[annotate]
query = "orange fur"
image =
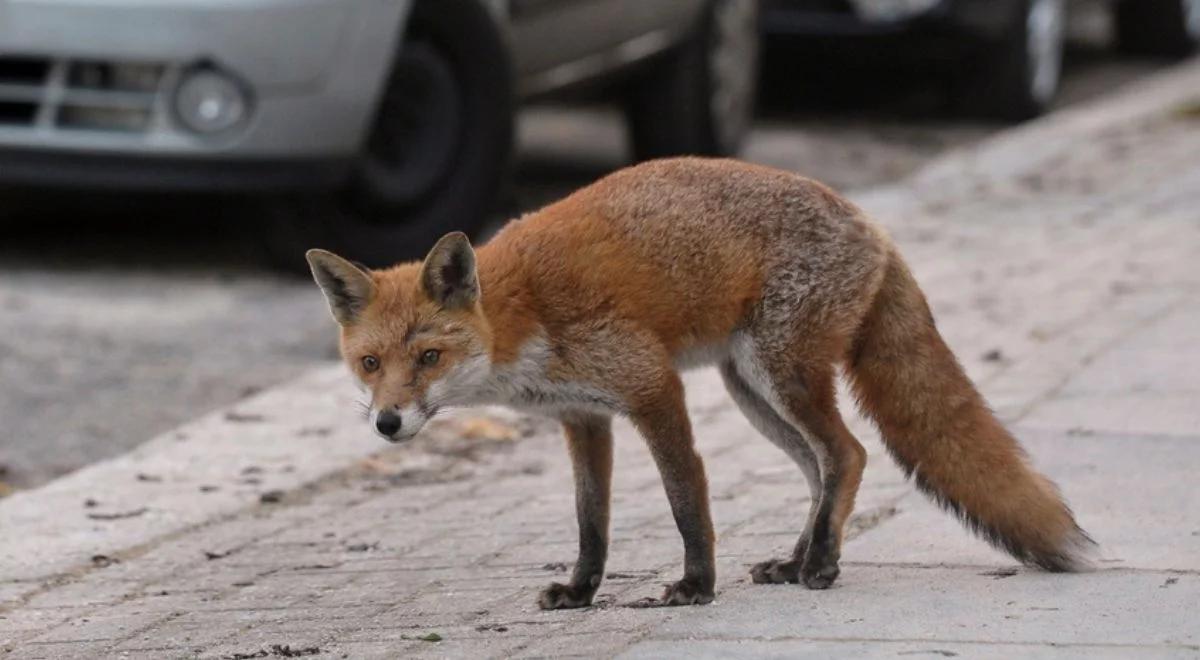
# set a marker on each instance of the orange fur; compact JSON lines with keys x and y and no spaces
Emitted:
{"x":939,"y":429}
{"x":589,"y":307}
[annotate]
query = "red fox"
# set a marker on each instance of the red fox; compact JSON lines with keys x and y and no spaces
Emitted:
{"x":589,"y":308}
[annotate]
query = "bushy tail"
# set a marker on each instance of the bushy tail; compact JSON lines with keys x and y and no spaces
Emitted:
{"x":939,"y":429}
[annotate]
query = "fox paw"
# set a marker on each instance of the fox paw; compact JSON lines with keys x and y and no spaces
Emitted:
{"x":686,"y":592}
{"x":564,"y":596}
{"x":776,"y":571}
{"x":819,"y":576}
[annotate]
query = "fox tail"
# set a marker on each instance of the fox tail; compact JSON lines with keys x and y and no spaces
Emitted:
{"x":941,"y":432}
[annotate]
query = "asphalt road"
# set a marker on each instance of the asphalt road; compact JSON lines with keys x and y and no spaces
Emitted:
{"x":121,"y":317}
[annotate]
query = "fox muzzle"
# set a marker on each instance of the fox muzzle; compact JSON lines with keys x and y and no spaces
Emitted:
{"x":398,"y":425}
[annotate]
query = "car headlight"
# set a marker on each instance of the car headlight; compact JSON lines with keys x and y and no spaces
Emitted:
{"x":892,"y":10}
{"x":208,"y":101}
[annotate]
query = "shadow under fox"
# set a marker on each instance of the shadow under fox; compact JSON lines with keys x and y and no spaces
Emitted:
{"x":589,"y":308}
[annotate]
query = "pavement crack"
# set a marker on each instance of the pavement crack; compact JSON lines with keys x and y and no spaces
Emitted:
{"x":1000,"y":573}
{"x":120,"y":515}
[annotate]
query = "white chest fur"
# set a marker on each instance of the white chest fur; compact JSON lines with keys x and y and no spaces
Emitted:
{"x":526,"y":383}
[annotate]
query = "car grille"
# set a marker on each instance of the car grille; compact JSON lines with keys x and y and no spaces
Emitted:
{"x":53,"y":94}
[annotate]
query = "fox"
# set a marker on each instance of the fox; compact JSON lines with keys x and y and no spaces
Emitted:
{"x":590,"y":308}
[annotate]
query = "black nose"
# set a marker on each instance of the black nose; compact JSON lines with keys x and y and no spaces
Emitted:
{"x":388,"y":423}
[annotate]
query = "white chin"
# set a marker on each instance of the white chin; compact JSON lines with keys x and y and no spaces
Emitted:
{"x":412,"y":420}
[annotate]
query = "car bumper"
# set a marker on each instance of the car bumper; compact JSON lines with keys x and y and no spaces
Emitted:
{"x":84,"y":170}
{"x":312,"y":72}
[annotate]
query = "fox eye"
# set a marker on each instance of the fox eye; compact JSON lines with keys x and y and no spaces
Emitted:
{"x":370,"y":363}
{"x":430,"y":357}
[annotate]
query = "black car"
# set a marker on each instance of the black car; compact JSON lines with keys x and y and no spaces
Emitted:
{"x":1005,"y":56}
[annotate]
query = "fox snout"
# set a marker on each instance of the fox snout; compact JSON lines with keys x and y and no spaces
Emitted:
{"x":397,"y":424}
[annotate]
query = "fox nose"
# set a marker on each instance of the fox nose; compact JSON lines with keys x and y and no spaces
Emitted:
{"x":387,"y":423}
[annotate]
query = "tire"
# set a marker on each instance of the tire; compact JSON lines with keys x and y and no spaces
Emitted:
{"x":436,"y":156}
{"x":698,"y":98}
{"x":1159,"y":28}
{"x":1019,"y":77}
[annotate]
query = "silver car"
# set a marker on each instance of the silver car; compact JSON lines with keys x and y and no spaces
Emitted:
{"x":373,"y":125}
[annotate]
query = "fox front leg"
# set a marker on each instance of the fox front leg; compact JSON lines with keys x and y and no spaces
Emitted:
{"x":589,"y":440}
{"x":663,"y":422}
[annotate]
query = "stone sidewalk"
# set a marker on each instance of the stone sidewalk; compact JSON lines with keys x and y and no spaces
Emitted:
{"x":1063,"y":263}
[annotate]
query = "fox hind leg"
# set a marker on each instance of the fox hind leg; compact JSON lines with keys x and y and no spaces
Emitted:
{"x":801,"y":393}
{"x":841,"y":474}
{"x":785,"y":436}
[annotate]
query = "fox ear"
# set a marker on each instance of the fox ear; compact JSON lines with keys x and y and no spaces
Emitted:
{"x":347,"y":287}
{"x":448,"y":274}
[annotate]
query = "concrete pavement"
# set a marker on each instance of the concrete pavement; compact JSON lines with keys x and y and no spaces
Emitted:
{"x":1061,"y":261}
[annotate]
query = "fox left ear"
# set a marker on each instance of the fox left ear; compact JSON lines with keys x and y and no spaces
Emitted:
{"x":448,"y":275}
{"x":348,"y":288}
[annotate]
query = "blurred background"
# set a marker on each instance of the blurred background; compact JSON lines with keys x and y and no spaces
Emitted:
{"x":163,"y":164}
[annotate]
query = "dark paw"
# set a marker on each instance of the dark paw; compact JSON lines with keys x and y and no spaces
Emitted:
{"x":820,"y":576}
{"x":564,"y":596}
{"x":686,"y":592}
{"x":776,"y":571}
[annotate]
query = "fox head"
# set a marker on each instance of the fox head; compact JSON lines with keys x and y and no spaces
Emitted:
{"x":414,"y":335}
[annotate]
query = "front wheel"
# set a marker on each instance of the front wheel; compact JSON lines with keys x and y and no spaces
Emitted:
{"x":436,"y":154}
{"x":699,"y":98}
{"x":1161,"y":28}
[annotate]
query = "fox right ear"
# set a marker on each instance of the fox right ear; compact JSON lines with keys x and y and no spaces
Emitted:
{"x":347,"y":287}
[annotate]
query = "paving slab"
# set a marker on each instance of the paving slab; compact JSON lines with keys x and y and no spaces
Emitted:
{"x":821,"y":649}
{"x":937,"y":603}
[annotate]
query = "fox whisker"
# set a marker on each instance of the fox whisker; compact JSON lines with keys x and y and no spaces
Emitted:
{"x":364,"y":408}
